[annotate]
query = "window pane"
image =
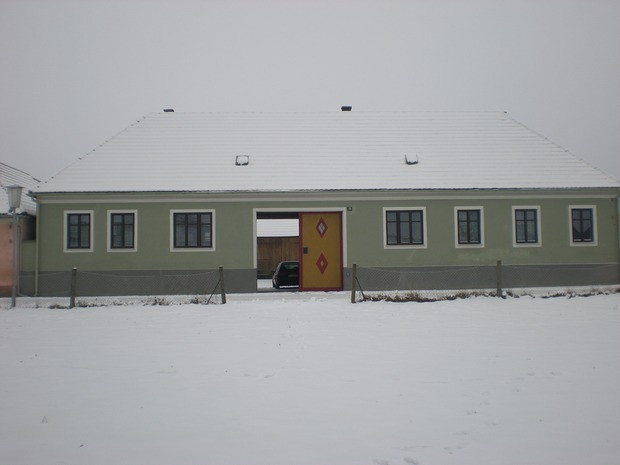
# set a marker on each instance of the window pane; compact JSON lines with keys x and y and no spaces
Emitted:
{"x":179,"y":235}
{"x":85,"y":236}
{"x":192,"y":219}
{"x":519,"y":215}
{"x":391,"y":216}
{"x":73,"y":236}
{"x":192,"y":233}
{"x":391,"y":233}
{"x":416,"y":229}
{"x":531,"y":232}
{"x":404,"y":233}
{"x":520,"y":232}
{"x":403,"y":216}
{"x":129,"y":218}
{"x":474,"y":232}
{"x":117,"y":230}
{"x":128,"y":237}
{"x":206,"y":238}
{"x":462,"y":232}
{"x":462,"y":215}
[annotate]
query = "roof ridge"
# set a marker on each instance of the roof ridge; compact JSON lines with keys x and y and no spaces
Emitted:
{"x":21,"y":171}
{"x":562,"y":148}
{"x":321,"y":112}
{"x":90,"y":152}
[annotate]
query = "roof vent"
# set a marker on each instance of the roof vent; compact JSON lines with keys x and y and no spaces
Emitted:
{"x":168,"y":110}
{"x":411,"y":159}
{"x":346,"y":108}
{"x":242,"y":160}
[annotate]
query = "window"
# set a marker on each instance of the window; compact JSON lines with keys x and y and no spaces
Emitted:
{"x":583,"y":225}
{"x":78,"y":231}
{"x":404,"y":227}
{"x":469,"y":226}
{"x":192,"y":230}
{"x":122,"y":228}
{"x":526,"y":226}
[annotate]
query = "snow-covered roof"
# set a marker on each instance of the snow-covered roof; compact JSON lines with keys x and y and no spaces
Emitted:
{"x":340,"y":150}
{"x":10,"y":176}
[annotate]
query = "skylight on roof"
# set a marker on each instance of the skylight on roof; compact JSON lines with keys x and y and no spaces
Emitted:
{"x":411,"y":159}
{"x":242,"y":160}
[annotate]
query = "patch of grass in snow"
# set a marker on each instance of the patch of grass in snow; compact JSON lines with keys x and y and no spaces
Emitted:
{"x":569,"y":293}
{"x":130,"y":301}
{"x":425,"y":296}
{"x":56,"y":306}
{"x":417,"y":297}
{"x":156,"y":301}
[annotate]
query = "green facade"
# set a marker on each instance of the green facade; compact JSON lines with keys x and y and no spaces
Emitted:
{"x":363,"y":220}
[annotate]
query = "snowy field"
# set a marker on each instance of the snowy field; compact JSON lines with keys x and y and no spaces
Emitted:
{"x":312,"y":379}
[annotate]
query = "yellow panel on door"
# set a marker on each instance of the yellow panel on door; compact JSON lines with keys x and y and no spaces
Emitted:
{"x":321,"y":251}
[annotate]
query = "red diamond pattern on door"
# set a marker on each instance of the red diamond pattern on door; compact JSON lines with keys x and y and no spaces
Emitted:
{"x":321,"y":227}
{"x":322,"y":263}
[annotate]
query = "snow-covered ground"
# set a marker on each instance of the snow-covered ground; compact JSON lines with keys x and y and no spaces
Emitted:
{"x":312,"y":379}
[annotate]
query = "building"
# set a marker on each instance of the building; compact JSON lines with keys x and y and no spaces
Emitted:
{"x":176,"y":193}
{"x":10,"y":176}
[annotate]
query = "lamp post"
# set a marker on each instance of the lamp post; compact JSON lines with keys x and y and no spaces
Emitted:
{"x":15,"y":197}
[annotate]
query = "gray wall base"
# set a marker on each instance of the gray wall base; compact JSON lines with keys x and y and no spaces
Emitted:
{"x":483,"y":277}
{"x":204,"y":282}
{"x":138,"y":282}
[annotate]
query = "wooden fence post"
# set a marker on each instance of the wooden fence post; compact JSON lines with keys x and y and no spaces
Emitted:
{"x":353,"y":281}
{"x":498,"y":272}
{"x":73,"y":287}
{"x":223,"y":291}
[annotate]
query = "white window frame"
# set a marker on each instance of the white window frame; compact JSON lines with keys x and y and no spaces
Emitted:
{"x":65,"y":231}
{"x":594,"y":242}
{"x":456,"y":227}
{"x":538,"y":243}
{"x":109,"y":231}
{"x":424,"y":244}
{"x":192,"y":249}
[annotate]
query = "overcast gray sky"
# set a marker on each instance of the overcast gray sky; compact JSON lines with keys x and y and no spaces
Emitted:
{"x":74,"y":73}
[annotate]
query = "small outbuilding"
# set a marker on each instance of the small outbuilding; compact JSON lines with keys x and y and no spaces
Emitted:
{"x":25,"y":223}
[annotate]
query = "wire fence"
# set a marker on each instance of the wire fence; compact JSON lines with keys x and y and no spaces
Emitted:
{"x":441,"y":283}
{"x":87,"y":288}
